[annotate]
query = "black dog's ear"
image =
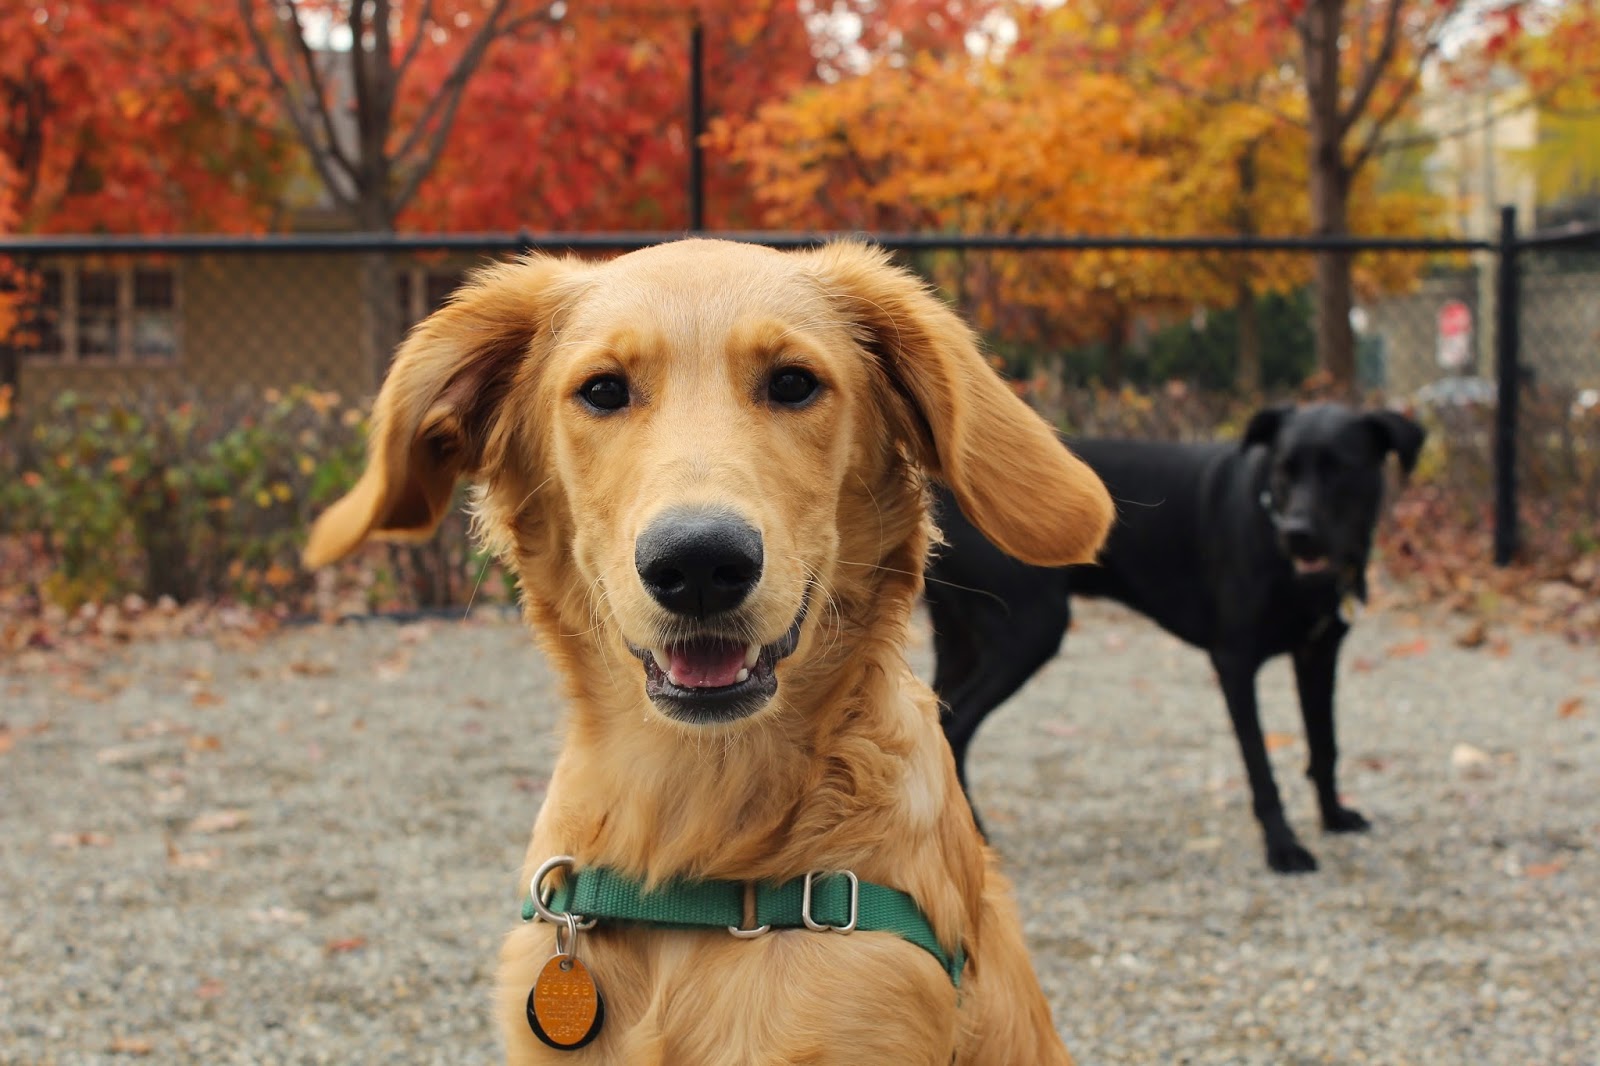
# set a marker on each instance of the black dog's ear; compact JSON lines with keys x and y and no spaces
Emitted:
{"x":1399,"y":434}
{"x":1264,"y":426}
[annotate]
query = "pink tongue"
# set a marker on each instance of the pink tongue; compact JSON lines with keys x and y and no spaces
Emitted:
{"x":705,"y":664}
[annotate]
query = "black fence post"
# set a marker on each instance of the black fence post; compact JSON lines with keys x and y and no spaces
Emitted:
{"x":697,"y":122}
{"x":1509,"y":371}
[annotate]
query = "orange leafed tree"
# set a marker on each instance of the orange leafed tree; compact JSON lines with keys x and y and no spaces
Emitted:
{"x":585,"y":125}
{"x":1032,"y":143}
{"x":127,"y":117}
{"x":1356,"y":66}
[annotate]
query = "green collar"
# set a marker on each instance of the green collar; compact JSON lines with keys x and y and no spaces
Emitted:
{"x":599,"y":893}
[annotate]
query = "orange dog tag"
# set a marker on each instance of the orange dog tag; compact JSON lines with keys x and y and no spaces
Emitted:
{"x":565,"y":1009}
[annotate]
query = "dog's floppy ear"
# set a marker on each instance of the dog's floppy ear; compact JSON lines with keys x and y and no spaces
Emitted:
{"x":1264,"y":426}
{"x":1399,"y":434}
{"x":1028,"y":494}
{"x":437,"y":412}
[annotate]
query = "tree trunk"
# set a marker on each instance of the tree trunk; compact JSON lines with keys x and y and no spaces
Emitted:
{"x":380,"y":300}
{"x":380,"y":295}
{"x":1116,"y":350}
{"x":1247,"y":357}
{"x":1247,"y":368}
{"x":1330,"y":191}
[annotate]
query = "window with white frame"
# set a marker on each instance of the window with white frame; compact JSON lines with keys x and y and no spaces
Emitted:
{"x":80,"y":314}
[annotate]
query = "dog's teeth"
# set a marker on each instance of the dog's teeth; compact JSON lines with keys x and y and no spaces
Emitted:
{"x":742,"y":675}
{"x":661,"y":657}
{"x":673,"y":678}
{"x":751,"y":654}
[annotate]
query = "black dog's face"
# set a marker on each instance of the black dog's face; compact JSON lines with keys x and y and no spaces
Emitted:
{"x":1325,"y":480}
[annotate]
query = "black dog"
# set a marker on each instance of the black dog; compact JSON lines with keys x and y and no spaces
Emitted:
{"x":1245,"y":550}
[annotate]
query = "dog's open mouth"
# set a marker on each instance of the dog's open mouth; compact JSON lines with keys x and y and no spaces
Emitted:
{"x":1305,"y":567}
{"x":715,"y":678}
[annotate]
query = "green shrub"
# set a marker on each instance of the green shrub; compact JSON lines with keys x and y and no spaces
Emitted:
{"x":186,"y":499}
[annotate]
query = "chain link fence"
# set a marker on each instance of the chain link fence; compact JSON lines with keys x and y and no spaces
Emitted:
{"x":259,"y":356}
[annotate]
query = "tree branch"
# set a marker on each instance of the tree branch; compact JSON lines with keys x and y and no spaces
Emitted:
{"x":415,"y":44}
{"x":321,"y":106}
{"x":1403,"y":96}
{"x":448,"y":96}
{"x":320,"y":159}
{"x":364,"y":112}
{"x":1373,"y":69}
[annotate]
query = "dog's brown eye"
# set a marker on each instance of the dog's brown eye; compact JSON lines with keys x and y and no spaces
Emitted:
{"x":791,"y":386}
{"x":604,"y":393}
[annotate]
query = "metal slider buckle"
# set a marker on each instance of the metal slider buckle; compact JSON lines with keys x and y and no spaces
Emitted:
{"x":749,"y":934}
{"x":855,"y":904}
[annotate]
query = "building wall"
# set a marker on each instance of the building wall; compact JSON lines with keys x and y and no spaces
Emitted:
{"x":245,"y":322}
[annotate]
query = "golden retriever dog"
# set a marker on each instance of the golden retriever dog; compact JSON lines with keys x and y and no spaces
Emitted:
{"x":707,"y":463}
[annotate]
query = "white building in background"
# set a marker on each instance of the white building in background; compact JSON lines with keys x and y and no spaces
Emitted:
{"x":1483,"y":137}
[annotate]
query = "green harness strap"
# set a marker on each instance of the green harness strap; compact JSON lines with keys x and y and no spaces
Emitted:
{"x":602,"y":893}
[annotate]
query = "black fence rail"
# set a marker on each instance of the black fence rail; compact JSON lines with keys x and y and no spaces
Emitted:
{"x":1495,"y":343}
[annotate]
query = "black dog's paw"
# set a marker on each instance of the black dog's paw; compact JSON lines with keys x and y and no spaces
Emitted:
{"x":1289,"y":857}
{"x":1345,"y":820}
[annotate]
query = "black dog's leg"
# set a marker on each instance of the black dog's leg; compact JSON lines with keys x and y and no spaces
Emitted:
{"x":1237,"y":674}
{"x":1008,"y":652}
{"x":1314,"y":675}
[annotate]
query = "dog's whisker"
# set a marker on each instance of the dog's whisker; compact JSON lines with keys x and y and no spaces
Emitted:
{"x":925,"y":577}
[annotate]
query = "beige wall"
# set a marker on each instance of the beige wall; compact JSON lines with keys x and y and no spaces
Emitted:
{"x":245,"y":322}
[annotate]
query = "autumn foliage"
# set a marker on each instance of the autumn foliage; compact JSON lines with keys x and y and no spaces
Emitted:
{"x":133,"y":118}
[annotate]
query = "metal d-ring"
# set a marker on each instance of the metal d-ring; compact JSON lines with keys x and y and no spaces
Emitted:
{"x":541,"y":900}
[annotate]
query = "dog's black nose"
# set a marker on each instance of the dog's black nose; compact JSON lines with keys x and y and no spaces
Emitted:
{"x":1300,"y":538}
{"x":698,"y":563}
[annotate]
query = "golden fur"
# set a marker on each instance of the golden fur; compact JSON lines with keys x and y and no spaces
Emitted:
{"x":846,"y":768}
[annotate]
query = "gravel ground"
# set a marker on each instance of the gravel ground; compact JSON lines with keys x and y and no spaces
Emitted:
{"x":304,"y":850}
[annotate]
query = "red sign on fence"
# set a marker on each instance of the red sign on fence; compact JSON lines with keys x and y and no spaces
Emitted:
{"x":1455,"y":335}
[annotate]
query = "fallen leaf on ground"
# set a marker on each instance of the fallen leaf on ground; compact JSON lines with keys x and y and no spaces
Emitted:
{"x":1362,"y":665}
{"x":131,"y":1045}
{"x":1407,"y":648}
{"x":1060,"y":729}
{"x":280,"y":916}
{"x":1279,"y":741}
{"x":204,"y":742}
{"x":223,"y":821}
{"x":1545,"y":869}
{"x":1474,"y":636}
{"x":120,"y":756}
{"x":344,"y":944}
{"x":192,"y":860}
{"x":8,"y":739}
{"x":85,"y":838}
{"x":1570,"y":707}
{"x":206,"y":698}
{"x":394,"y":667}
{"x":210,"y":989}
